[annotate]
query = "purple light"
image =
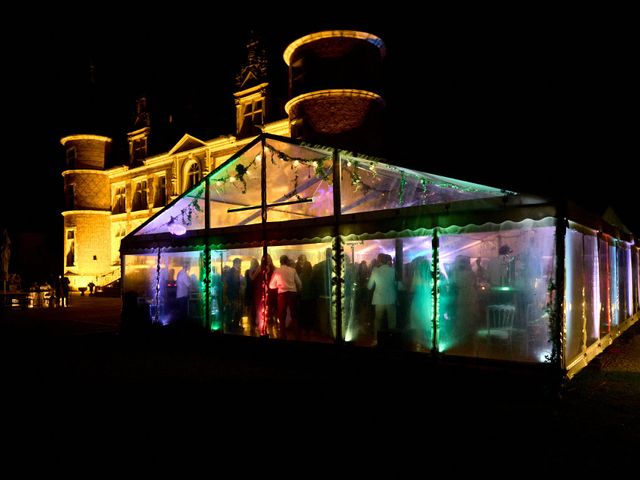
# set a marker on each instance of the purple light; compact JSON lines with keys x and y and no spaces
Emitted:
{"x":177,"y":229}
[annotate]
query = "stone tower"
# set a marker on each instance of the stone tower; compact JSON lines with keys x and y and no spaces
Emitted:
{"x":334,"y":77}
{"x":87,"y":224}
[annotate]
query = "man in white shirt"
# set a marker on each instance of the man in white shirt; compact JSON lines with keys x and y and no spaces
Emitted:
{"x":288,"y":283}
{"x":383,"y":279}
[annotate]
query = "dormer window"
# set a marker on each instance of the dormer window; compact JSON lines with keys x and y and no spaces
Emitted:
{"x":140,"y":149}
{"x":251,"y":111}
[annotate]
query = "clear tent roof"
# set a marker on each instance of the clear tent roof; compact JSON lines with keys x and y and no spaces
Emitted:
{"x":299,"y":184}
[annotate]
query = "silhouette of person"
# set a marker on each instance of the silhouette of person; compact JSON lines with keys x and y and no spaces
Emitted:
{"x":265,"y":311}
{"x":64,"y":285}
{"x":306,"y":296}
{"x":288,"y":283}
{"x":383,"y":284}
{"x":183,"y":286}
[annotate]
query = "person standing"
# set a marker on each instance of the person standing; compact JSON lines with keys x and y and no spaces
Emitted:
{"x":65,"y":282}
{"x":265,"y":303}
{"x":183,"y":285}
{"x":383,"y":284}
{"x":288,"y":283}
{"x":306,"y":296}
{"x":249,"y":274}
{"x":233,"y":294}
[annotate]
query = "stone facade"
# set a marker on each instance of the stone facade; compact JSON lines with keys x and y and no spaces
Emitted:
{"x":90,"y":188}
{"x":95,"y":221}
{"x":87,"y":252}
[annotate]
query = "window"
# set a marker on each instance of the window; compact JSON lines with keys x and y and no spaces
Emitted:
{"x":72,"y":156}
{"x":70,"y":239}
{"x":140,"y":149}
{"x":119,"y":200}
{"x":161,"y":192}
{"x":70,"y":196}
{"x":140,"y":196}
{"x":252,"y":114}
{"x":193,"y":176}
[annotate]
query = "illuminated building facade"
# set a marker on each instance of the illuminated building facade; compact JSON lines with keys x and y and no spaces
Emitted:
{"x":334,"y":80}
{"x":102,"y":205}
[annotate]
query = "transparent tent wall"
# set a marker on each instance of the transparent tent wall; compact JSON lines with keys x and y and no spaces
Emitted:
{"x":604,"y":267}
{"x":582,"y":296}
{"x":138,"y":286}
{"x":235,"y":185}
{"x":181,"y":296}
{"x":300,"y":176}
{"x":626,"y":280}
{"x":614,"y":287}
{"x":389,"y":291}
{"x":599,"y":290}
{"x":494,"y":290}
{"x":635,"y":279}
{"x":237,"y":299}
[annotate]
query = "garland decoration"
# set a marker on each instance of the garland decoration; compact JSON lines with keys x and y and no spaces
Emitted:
{"x":315,"y":165}
{"x":363,"y":174}
{"x":403,"y":185}
{"x":185,"y":215}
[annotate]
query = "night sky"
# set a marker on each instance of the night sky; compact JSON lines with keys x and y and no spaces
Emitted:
{"x":521,"y":100}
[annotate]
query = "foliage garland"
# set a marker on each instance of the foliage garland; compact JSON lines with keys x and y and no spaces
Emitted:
{"x":354,"y":168}
{"x":186,"y":214}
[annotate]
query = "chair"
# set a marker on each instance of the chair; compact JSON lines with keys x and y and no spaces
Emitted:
{"x":499,"y":327}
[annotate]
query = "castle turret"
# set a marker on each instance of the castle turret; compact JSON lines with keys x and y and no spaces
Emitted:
{"x":87,"y":225}
{"x":334,"y":77}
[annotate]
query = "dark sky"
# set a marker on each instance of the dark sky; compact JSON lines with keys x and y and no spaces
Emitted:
{"x":524,"y":100}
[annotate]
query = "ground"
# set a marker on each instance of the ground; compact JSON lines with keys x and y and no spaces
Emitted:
{"x":77,"y":356}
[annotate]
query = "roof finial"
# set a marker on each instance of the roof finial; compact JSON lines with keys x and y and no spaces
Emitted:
{"x":255,"y":69}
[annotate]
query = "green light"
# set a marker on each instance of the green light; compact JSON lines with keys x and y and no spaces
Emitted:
{"x":504,"y":289}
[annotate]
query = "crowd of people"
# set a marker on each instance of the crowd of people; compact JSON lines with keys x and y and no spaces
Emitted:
{"x":51,"y":293}
{"x":293,"y":299}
